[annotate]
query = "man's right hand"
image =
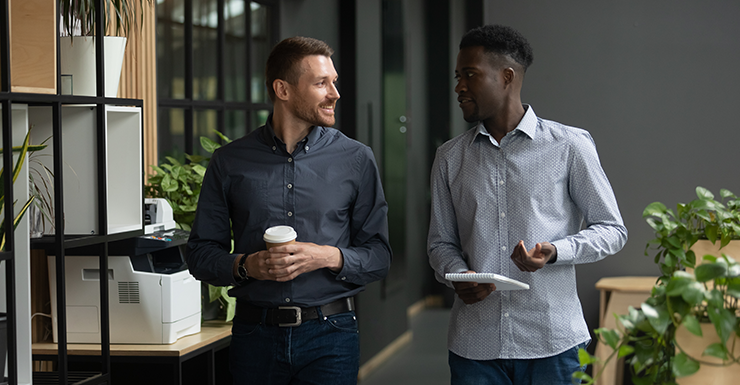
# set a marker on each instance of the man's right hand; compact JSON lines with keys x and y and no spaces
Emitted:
{"x":472,"y":292}
{"x":257,"y":267}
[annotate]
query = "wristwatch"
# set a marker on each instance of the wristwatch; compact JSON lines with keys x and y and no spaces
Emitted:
{"x":241,"y":269}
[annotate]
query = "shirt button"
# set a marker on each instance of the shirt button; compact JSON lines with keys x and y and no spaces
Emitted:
{"x":287,"y":300}
{"x":503,"y":248}
{"x":290,"y":160}
{"x":506,"y":314}
{"x":274,"y":148}
{"x":306,"y":148}
{"x":503,"y":215}
{"x":290,"y":213}
{"x":290,"y":185}
{"x":344,"y":278}
{"x":501,"y":182}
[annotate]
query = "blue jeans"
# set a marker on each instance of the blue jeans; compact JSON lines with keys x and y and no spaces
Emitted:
{"x":542,"y":371}
{"x":318,"y":352}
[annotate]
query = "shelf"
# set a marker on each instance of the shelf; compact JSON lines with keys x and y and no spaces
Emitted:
{"x":47,"y":242}
{"x":123,"y":163}
{"x":33,"y":46}
{"x":77,"y":378}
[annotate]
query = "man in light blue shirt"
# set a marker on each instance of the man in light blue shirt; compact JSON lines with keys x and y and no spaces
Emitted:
{"x":510,"y":197}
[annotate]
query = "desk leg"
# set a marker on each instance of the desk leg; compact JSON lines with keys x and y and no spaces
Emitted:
{"x":177,"y":373}
{"x":211,"y":367}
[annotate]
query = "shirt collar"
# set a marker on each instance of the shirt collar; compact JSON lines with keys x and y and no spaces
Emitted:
{"x":528,"y":124}
{"x":271,"y":139}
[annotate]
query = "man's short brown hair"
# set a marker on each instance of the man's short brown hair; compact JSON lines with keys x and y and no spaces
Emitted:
{"x":284,"y":60}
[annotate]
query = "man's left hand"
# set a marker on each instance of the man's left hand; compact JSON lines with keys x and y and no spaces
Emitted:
{"x":534,"y":259}
{"x":289,"y":261}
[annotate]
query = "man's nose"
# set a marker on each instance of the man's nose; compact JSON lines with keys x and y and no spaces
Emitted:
{"x":334,"y":92}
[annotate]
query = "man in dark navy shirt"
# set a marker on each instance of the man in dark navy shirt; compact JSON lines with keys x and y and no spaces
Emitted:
{"x":295,"y":320}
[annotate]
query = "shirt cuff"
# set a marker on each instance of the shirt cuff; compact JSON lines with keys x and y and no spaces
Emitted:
{"x":565,"y":252}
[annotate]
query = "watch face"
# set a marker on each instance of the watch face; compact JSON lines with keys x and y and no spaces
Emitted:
{"x":242,"y":272}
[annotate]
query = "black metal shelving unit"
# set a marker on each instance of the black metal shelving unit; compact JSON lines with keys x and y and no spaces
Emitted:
{"x":58,"y":243}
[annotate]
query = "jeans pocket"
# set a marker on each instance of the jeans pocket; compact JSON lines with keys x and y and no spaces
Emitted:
{"x":346,"y":322}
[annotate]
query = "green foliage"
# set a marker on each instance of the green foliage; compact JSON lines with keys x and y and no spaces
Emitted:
{"x":180,"y":185}
{"x":22,"y":151}
{"x":708,"y":292}
{"x":81,"y":13}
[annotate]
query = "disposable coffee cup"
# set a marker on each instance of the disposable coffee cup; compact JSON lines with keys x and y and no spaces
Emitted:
{"x":278,"y":236}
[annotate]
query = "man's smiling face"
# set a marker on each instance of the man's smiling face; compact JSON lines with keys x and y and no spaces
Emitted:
{"x":315,"y":96}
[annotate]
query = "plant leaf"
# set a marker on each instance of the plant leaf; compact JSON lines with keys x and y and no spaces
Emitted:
{"x":625,"y":350}
{"x":692,"y":325}
{"x":708,"y":271}
{"x":208,"y":144}
{"x":716,"y":350}
{"x":584,"y":358}
{"x":657,"y":316}
{"x":723,"y":321}
{"x":703,"y":193}
{"x":684,"y":366}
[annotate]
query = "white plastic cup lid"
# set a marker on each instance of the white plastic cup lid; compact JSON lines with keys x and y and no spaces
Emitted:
{"x":279,"y":234}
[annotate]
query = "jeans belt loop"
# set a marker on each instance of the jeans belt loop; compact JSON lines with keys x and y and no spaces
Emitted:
{"x":298,"y":319}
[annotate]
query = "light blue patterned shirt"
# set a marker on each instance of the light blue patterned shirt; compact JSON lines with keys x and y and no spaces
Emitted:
{"x":540,"y":184}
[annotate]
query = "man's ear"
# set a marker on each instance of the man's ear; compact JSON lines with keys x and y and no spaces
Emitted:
{"x":509,"y":75}
{"x":281,"y":88}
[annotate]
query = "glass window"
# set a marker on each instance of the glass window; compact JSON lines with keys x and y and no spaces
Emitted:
{"x":235,"y":31}
{"x":171,"y":134}
{"x":170,"y":49}
{"x":205,"y":46}
{"x":235,"y":63}
{"x":204,"y":124}
{"x":259,"y":118}
{"x":235,"y":125}
{"x":261,"y":46}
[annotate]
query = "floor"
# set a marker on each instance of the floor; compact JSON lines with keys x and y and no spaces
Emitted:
{"x":424,"y":359}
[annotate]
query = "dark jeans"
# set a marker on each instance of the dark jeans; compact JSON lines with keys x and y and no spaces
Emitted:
{"x":542,"y":371}
{"x":319,"y":352}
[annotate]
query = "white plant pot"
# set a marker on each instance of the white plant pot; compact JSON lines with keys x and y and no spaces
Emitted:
{"x":77,"y":57}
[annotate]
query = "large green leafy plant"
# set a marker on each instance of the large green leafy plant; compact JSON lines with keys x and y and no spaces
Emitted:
{"x":686,"y":294}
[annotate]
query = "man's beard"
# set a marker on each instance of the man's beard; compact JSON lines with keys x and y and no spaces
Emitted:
{"x":311,"y":115}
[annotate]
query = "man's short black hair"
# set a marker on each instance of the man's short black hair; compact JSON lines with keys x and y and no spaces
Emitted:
{"x":502,"y":40}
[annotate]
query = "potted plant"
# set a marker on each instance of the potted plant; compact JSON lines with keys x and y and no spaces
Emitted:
{"x":77,"y":48}
{"x":696,"y":295}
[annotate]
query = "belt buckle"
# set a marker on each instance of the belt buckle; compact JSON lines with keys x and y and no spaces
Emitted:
{"x":297,"y":311}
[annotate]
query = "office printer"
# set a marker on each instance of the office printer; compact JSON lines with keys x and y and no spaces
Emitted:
{"x":153,"y":298}
{"x":157,"y":215}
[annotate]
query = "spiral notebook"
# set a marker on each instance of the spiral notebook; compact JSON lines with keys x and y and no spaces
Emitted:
{"x":501,"y":282}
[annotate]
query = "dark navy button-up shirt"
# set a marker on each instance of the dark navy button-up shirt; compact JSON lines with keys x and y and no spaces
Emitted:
{"x":328,"y":190}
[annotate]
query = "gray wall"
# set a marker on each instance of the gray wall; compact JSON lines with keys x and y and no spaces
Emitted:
{"x":656,"y":83}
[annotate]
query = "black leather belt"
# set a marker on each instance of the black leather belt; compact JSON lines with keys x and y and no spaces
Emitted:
{"x":286,"y":316}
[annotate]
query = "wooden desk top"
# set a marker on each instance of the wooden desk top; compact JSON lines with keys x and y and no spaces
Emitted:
{"x":627,"y":284}
{"x":210,"y":332}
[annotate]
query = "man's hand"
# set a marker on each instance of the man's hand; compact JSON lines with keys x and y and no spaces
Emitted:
{"x":286,"y":262}
{"x":534,"y":259}
{"x":472,"y":292}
